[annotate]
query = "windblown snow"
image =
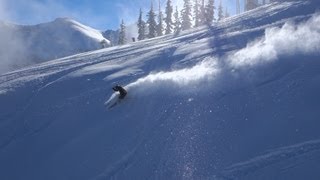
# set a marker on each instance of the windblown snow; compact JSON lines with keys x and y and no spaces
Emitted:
{"x":281,"y":41}
{"x":235,"y":100}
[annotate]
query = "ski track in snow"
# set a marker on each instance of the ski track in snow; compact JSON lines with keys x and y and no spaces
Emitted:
{"x":242,"y":169}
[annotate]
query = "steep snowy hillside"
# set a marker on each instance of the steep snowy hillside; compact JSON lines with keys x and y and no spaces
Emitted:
{"x":236,"y":100}
{"x":25,"y":45}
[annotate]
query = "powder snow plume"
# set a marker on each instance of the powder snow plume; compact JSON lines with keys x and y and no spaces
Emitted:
{"x":278,"y":41}
{"x":197,"y":74}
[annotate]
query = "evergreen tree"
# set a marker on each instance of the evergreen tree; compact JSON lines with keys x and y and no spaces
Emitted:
{"x":141,"y":27}
{"x":168,"y":19}
{"x":152,"y":23}
{"x":220,"y":12}
{"x":196,"y":14}
{"x":186,"y":15}
{"x":160,"y":22}
{"x":210,"y":11}
{"x":122,"y":33}
{"x":177,"y":22}
{"x":202,"y":13}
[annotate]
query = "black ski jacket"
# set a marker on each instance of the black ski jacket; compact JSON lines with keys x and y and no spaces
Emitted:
{"x":121,"y":90}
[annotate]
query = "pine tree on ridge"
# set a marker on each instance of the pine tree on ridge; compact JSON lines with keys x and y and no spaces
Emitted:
{"x":122,"y":33}
{"x":160,"y":22}
{"x":152,"y":23}
{"x":177,"y":22}
{"x":186,"y":14}
{"x":141,"y":27}
{"x":168,"y":19}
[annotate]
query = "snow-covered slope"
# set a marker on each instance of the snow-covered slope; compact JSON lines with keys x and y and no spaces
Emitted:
{"x":237,"y":100}
{"x":25,"y":45}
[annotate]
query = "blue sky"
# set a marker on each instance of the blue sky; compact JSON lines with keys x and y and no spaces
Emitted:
{"x":99,"y":14}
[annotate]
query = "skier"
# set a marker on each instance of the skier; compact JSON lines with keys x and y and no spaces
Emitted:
{"x":121,"y":90}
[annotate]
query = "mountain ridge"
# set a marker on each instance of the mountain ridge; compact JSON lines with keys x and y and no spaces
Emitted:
{"x":23,"y":45}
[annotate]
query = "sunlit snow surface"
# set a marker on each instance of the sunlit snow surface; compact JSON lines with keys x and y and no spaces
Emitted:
{"x":236,"y":100}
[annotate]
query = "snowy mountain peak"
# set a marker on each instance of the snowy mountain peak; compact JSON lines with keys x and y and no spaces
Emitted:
{"x":64,"y":19}
{"x":46,"y":41}
{"x":86,"y":30}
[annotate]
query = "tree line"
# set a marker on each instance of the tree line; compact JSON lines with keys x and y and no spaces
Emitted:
{"x":194,"y":13}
